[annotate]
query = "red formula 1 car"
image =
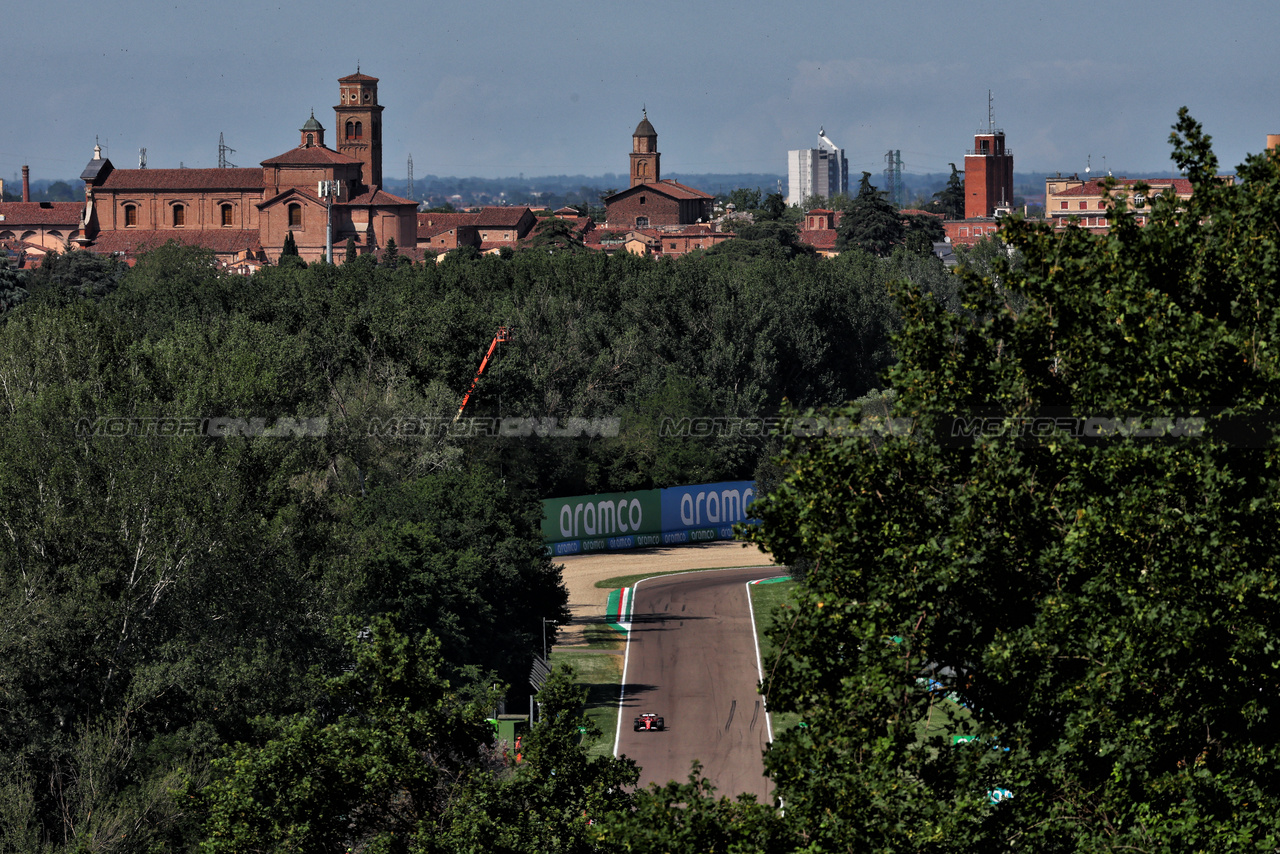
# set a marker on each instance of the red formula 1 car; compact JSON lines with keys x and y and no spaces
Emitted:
{"x":648,"y":721}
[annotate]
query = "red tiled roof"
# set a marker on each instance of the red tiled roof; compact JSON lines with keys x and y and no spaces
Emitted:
{"x":1181,"y":186}
{"x":290,"y":192}
{"x":593,"y":236}
{"x":820,"y":238}
{"x":221,"y":240}
{"x":917,"y":212}
{"x":500,"y":216}
{"x":431,"y":224}
{"x":315,"y":155}
{"x":695,"y":230}
{"x":671,"y":189}
{"x":358,"y":76}
{"x":184,"y":179}
{"x":18,"y":214}
{"x":377,"y":196}
{"x":683,"y":191}
{"x":448,"y":220}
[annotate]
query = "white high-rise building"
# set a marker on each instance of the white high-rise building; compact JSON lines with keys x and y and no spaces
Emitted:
{"x":821,"y":171}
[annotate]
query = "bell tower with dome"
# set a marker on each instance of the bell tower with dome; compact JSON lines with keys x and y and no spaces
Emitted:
{"x":645,"y":165}
{"x":312,"y":133}
{"x":358,"y":124}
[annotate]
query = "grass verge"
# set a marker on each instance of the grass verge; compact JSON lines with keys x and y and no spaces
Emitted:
{"x":772,"y":603}
{"x":602,"y":636}
{"x":602,"y":674}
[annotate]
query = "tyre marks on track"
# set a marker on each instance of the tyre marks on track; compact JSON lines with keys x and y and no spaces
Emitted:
{"x":691,"y":658}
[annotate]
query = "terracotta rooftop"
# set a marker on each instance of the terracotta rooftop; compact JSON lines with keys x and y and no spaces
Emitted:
{"x":378,"y":196}
{"x":315,"y":155}
{"x":290,"y":193}
{"x":16,"y":214}
{"x":503,"y":216}
{"x":820,"y":238}
{"x":683,"y":191}
{"x":697,"y":230}
{"x":184,"y":179}
{"x":667,"y":187}
{"x":431,"y":224}
{"x":1181,"y":186}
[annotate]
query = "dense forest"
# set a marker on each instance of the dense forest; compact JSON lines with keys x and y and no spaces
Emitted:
{"x":210,"y":484}
{"x":260,"y":590}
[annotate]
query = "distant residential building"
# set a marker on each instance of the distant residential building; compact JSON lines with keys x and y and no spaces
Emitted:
{"x":651,"y":202}
{"x":33,"y":229}
{"x":672,"y":242}
{"x":818,"y":229}
{"x":488,"y":228}
{"x":1073,"y":198}
{"x":821,"y":171}
{"x":966,"y":232}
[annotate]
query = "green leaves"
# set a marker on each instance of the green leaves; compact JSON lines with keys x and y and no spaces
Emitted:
{"x":1103,"y":607}
{"x":689,"y":817}
{"x":375,"y":770}
{"x":552,"y":800}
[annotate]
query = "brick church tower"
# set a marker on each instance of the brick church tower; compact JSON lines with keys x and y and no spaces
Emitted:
{"x":645,"y":166}
{"x":358,"y":124}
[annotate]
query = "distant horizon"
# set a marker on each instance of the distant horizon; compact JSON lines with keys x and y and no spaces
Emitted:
{"x":558,"y":90}
{"x":611,"y":177}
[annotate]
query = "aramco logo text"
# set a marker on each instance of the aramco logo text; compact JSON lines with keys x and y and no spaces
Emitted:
{"x":601,"y":518}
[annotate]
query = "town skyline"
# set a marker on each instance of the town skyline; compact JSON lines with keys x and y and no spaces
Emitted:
{"x":730,"y":89}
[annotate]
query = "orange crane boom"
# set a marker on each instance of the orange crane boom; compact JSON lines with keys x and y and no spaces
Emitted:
{"x":501,"y":336}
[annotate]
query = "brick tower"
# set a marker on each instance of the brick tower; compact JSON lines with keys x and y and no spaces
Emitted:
{"x":358,"y":124}
{"x":988,"y":175}
{"x":645,"y":166}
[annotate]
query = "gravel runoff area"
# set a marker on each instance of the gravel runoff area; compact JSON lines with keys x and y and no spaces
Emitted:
{"x":581,"y":572}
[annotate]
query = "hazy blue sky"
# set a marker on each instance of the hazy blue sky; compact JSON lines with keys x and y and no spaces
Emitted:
{"x":544,"y":87}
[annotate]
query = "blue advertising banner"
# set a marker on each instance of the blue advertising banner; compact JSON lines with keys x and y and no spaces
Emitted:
{"x":708,"y":505}
{"x":581,"y":524}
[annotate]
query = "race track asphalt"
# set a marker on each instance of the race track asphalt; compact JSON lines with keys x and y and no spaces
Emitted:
{"x":691,"y":658}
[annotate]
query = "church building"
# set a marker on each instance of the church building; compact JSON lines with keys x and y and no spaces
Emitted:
{"x":651,"y":202}
{"x":246,"y":215}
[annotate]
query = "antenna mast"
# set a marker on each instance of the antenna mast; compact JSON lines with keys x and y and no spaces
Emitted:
{"x":893,"y":177}
{"x":991,"y":114}
{"x":411,"y":196}
{"x":142,"y":158}
{"x":223,"y":151}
